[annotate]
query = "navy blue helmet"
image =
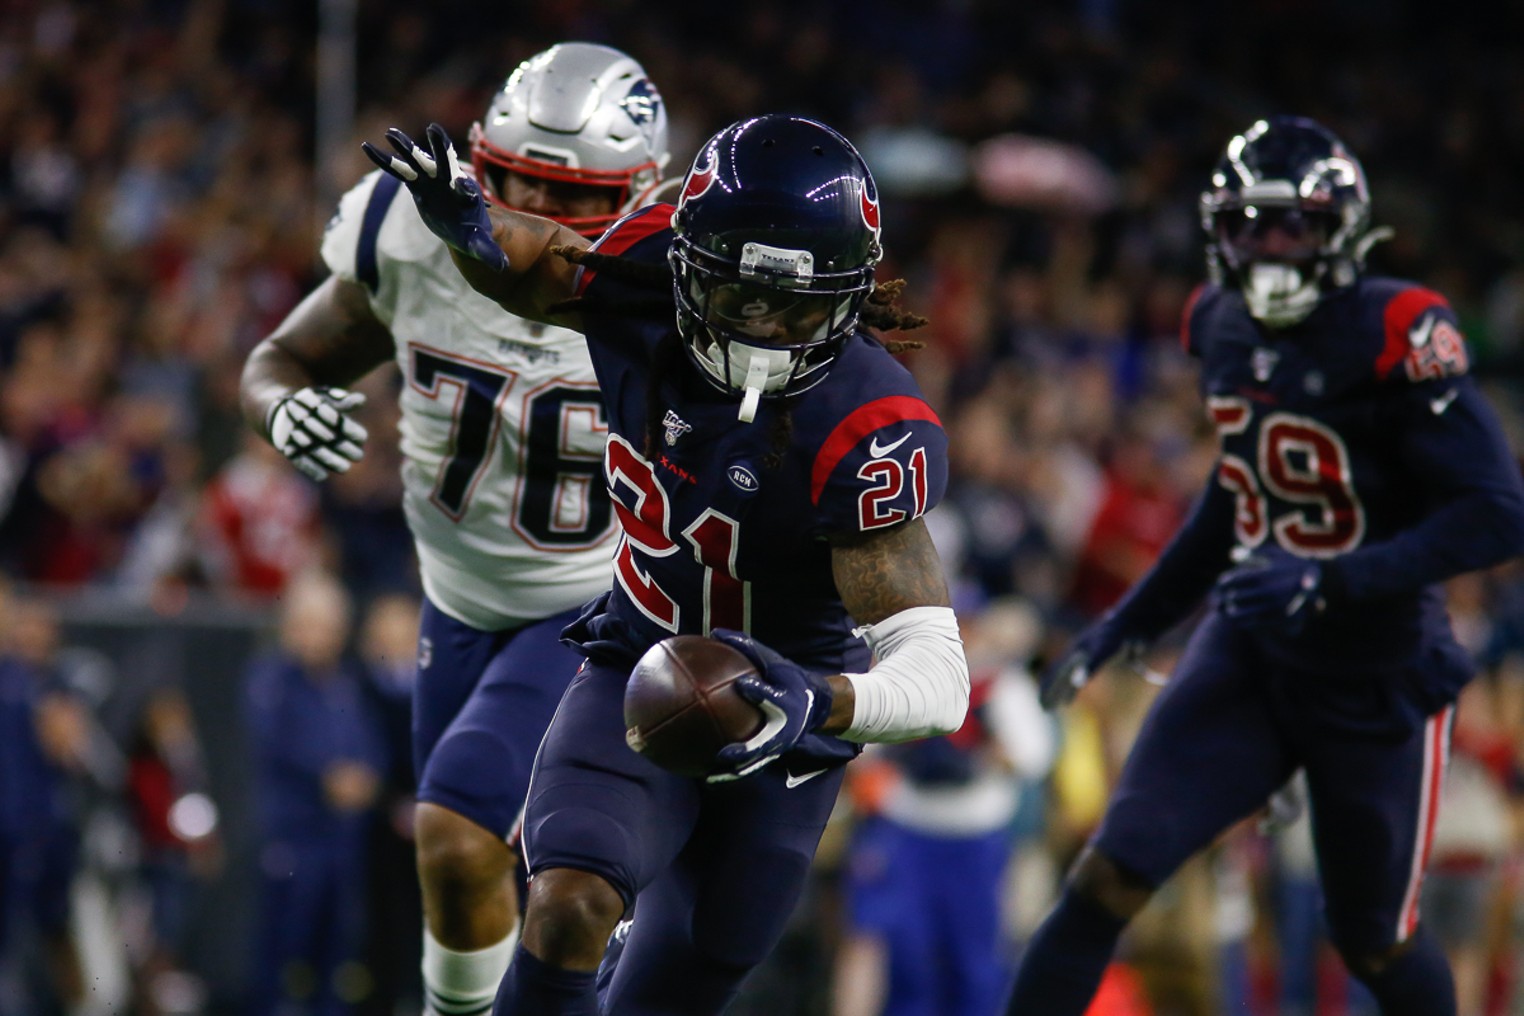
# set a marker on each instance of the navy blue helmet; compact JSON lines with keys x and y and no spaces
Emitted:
{"x":1287,"y":216}
{"x":776,"y":235}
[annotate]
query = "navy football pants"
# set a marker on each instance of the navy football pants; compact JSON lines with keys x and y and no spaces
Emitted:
{"x":1233,"y":725}
{"x":480,"y":706}
{"x":717,"y":868}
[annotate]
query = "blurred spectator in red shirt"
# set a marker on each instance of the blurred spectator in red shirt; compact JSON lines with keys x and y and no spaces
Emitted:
{"x":1140,"y":510}
{"x":259,"y":522}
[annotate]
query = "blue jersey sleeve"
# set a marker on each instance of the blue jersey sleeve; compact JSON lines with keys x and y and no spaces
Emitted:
{"x":627,"y":311}
{"x":1189,"y":331}
{"x":886,"y":463}
{"x":632,"y":236}
{"x":1448,"y":435}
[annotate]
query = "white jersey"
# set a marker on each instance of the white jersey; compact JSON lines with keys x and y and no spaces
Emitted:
{"x":502,"y":427}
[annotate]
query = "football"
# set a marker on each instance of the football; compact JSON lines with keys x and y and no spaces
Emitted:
{"x":681,"y":705}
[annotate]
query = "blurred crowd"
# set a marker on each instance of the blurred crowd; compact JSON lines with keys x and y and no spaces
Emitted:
{"x":162,"y":195}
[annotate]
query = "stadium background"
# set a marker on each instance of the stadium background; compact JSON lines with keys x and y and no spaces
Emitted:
{"x":165,"y":169}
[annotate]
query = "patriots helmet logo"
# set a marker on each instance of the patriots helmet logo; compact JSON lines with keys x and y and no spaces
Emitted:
{"x":641,"y":103}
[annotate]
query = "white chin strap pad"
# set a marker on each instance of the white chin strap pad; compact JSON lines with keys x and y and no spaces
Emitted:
{"x":1278,"y":295}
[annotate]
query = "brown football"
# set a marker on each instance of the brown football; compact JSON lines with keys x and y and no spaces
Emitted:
{"x":681,"y":705}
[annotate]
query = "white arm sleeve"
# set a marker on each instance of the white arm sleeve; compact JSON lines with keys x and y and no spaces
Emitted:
{"x":919,"y":686}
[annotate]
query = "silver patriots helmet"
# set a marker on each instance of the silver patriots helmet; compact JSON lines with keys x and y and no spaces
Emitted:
{"x":578,"y":113}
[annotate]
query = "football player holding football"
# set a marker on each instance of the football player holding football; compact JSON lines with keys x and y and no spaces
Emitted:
{"x":769,"y":462}
{"x":502,"y":440}
{"x":1359,"y":468}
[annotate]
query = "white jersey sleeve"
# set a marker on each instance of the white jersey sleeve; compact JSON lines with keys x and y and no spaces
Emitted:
{"x":502,"y":425}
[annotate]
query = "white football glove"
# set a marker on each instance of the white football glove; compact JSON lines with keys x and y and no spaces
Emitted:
{"x":313,"y":429}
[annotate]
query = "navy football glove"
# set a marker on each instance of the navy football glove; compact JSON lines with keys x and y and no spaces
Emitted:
{"x":1272,"y":587}
{"x":793,"y":702}
{"x":1095,"y":645}
{"x":449,"y":199}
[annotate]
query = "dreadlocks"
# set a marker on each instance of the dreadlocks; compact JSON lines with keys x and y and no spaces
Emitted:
{"x":880,"y":311}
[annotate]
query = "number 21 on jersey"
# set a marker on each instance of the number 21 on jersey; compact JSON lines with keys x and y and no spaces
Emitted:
{"x":646,"y":516}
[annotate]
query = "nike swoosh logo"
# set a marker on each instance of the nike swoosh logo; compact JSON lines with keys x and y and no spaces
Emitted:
{"x":879,"y":451}
{"x":1442,"y":403}
{"x":791,"y":781}
{"x":1419,"y":335}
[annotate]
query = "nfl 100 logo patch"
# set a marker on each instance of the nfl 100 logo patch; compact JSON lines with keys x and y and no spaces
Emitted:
{"x":1262,"y":362}
{"x":674,"y":427}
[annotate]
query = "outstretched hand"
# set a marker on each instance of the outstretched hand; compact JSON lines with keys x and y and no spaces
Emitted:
{"x":449,"y":199}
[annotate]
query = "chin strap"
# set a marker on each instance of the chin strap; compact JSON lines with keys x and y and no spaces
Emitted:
{"x":1279,"y":295}
{"x":756,"y":376}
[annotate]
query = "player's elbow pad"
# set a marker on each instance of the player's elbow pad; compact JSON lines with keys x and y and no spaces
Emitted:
{"x":919,"y":686}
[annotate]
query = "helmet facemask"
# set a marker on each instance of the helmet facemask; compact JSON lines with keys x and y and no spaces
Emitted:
{"x":768,"y":327}
{"x":628,"y":188}
{"x":1282,"y":255}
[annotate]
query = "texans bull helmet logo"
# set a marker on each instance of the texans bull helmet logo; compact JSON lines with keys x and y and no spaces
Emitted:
{"x":869,"y":206}
{"x":700,"y":179}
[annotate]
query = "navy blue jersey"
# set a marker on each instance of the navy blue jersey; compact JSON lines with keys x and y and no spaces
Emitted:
{"x":300,"y":725}
{"x":1355,"y":436}
{"x":725,"y":524}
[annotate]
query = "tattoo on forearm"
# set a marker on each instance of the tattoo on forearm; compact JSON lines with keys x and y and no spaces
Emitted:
{"x":522,"y":289}
{"x":889,"y":572}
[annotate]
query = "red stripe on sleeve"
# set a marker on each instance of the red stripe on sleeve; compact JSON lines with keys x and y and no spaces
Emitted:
{"x":627,"y":234}
{"x":864,"y":420}
{"x":1401,"y":312}
{"x":1185,"y":316}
